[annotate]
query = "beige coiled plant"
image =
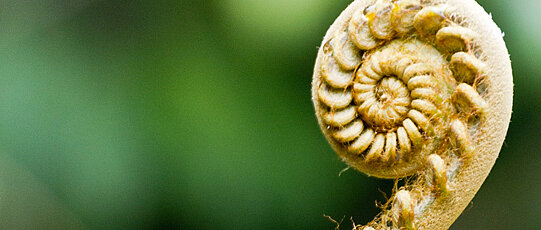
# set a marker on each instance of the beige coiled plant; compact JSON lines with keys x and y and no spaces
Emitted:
{"x":419,"y":90}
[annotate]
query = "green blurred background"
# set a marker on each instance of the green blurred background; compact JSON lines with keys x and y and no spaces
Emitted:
{"x":197,"y":115}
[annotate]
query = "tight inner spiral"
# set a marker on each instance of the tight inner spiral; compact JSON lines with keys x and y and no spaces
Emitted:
{"x":387,"y":106}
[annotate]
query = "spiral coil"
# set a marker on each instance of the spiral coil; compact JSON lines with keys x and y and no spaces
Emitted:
{"x":399,"y":86}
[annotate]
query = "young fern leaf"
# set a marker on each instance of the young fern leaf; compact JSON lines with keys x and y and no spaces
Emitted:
{"x":419,"y":89}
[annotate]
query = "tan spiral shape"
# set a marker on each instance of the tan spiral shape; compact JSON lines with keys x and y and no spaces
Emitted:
{"x":418,"y":88}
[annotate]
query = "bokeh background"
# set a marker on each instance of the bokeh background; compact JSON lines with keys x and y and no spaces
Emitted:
{"x":197,"y":115}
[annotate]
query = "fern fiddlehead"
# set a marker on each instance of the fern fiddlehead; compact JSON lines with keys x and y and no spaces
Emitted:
{"x":419,"y":89}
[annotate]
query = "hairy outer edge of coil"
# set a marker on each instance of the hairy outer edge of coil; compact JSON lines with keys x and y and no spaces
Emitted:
{"x":488,"y":137}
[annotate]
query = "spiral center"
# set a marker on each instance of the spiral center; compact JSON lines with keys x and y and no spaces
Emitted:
{"x":389,"y":105}
{"x":383,"y":92}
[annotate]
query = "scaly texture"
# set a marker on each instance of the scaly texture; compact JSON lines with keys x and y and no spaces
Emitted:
{"x":417,"y":89}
